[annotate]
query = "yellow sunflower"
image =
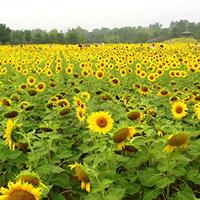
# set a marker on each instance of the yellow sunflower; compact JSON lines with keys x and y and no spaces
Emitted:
{"x":82,"y":176}
{"x":8,"y":134}
{"x":177,"y":140}
{"x":179,"y":109}
{"x":19,"y":191}
{"x":85,"y":95}
{"x":41,"y":87}
{"x":31,"y":80}
{"x":101,"y":122}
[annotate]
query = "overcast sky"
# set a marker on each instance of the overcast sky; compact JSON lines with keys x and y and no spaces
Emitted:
{"x":90,"y":14}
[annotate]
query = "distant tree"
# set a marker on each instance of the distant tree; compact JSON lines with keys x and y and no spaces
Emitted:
{"x":72,"y":36}
{"x":37,"y":36}
{"x":53,"y":36}
{"x":4,"y":34}
{"x":27,"y":36}
{"x":154,"y":32}
{"x":17,"y":37}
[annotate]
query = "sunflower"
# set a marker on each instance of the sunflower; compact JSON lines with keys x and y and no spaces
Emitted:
{"x":85,"y":73}
{"x":143,"y":74}
{"x":136,"y":115}
{"x":174,"y":141}
{"x":19,"y":191}
{"x":99,"y":74}
{"x":30,"y":178}
{"x":196,"y":109}
{"x":80,"y":114}
{"x":23,"y":86}
{"x":31,"y":80}
{"x":32,"y":92}
{"x":8,"y":134}
{"x":174,"y":98}
{"x":82,"y":176}
{"x":151,"y":77}
{"x":85,"y":95}
{"x":179,"y":109}
{"x":122,"y":134}
{"x":64,"y":111}
{"x":101,"y":122}
{"x":123,"y":72}
{"x":163,"y":93}
{"x":41,"y":87}
{"x":48,"y":72}
{"x":69,"y":70}
{"x":144,"y":90}
{"x":11,"y":114}
{"x":63,"y":103}
{"x":115,"y":81}
{"x":77,"y":101}
{"x":6,"y":102}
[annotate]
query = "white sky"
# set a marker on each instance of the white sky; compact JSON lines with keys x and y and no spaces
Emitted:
{"x":90,"y":14}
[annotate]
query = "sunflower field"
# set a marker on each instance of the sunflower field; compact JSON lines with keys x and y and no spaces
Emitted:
{"x":100,"y":122}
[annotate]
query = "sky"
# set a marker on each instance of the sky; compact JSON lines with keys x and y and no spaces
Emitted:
{"x":91,"y":14}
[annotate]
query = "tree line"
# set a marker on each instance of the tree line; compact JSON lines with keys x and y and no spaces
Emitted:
{"x":153,"y":33}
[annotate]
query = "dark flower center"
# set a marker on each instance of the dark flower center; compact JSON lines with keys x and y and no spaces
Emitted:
{"x":21,"y":195}
{"x":179,"y":109}
{"x":101,"y":122}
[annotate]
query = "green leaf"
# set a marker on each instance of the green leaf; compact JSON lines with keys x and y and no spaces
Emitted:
{"x":49,"y":169}
{"x":185,"y":193}
{"x":57,"y":196}
{"x":115,"y":194}
{"x":193,"y":175}
{"x":60,"y":180}
{"x":151,"y":194}
{"x":164,"y":181}
{"x":148,"y":177}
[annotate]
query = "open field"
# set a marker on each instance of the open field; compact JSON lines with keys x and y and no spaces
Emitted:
{"x":100,"y":122}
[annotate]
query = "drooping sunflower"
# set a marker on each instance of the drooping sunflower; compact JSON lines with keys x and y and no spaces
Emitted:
{"x":196,"y":109}
{"x":80,"y":114}
{"x":174,"y":98}
{"x":63,"y":103}
{"x":122,"y":134}
{"x":144,"y":90}
{"x":30,"y":177}
{"x":136,"y":115}
{"x":115,"y":81}
{"x":176,"y":141}
{"x":6,"y":102}
{"x":179,"y":109}
{"x":77,"y":101}
{"x":163,"y":93}
{"x":100,"y":122}
{"x":11,"y":114}
{"x":82,"y":176}
{"x":8,"y":134}
{"x":20,"y":191}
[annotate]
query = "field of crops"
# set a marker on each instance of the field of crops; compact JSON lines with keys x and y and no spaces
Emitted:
{"x":100,"y":122}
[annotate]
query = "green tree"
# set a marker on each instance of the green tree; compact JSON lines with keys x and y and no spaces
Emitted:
{"x":4,"y":34}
